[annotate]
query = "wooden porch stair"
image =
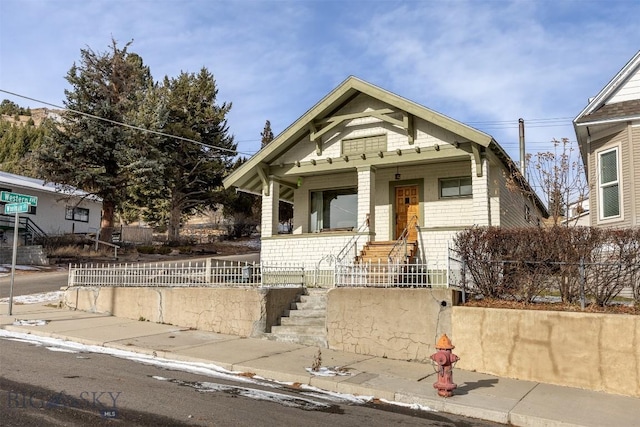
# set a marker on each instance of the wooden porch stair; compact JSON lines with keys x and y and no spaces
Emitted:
{"x":378,"y":252}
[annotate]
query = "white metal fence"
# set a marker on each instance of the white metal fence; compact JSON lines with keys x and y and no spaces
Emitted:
{"x":214,"y":273}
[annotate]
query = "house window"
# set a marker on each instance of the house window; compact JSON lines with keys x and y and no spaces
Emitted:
{"x":455,"y":187}
{"x":334,"y":210}
{"x":609,"y":184}
{"x":77,"y":214}
{"x":369,"y":144}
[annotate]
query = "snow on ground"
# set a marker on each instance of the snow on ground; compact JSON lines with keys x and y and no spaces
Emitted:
{"x":213,"y":371}
{"x":5,"y":269}
{"x":54,"y":296}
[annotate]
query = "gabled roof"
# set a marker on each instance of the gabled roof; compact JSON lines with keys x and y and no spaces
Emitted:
{"x":607,"y":109}
{"x":337,"y":98}
{"x":246,"y":176}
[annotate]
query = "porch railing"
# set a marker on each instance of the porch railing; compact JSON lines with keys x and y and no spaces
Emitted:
{"x":399,"y":251}
{"x":213,"y":273}
{"x":352,"y":244}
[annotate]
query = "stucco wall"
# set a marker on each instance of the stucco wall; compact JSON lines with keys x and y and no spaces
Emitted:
{"x":592,"y":351}
{"x":388,"y":322}
{"x":235,"y":311}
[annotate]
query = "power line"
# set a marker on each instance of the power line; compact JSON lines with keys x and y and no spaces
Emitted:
{"x":126,"y":125}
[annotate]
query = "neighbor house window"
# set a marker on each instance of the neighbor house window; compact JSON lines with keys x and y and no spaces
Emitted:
{"x":455,"y":187}
{"x":77,"y":214}
{"x":609,"y":183}
{"x":334,"y":209}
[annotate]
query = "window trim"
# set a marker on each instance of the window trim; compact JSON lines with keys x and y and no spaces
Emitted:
{"x":458,"y":196}
{"x":312,"y":227}
{"x":74,"y":211}
{"x":602,"y":186}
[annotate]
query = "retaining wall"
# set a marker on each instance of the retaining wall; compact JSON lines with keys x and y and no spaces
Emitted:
{"x":388,"y":322}
{"x":586,"y":350}
{"x":236,"y":311}
{"x":25,"y":255}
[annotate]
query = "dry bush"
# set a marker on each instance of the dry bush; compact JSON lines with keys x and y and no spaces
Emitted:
{"x":522,"y":264}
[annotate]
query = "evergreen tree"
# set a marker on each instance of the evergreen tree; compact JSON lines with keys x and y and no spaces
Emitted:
{"x":192,"y":173}
{"x":98,"y":156}
{"x":266,"y":134}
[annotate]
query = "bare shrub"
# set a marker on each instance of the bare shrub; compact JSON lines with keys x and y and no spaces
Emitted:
{"x":522,"y":264}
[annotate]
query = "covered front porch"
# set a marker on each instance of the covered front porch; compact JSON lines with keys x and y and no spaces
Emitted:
{"x":419,"y":204}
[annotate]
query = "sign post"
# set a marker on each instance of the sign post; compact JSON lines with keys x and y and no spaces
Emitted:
{"x":13,"y":262}
{"x":19,"y":204}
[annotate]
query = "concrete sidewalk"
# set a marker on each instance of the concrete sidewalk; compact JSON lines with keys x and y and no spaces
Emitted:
{"x":503,"y":400}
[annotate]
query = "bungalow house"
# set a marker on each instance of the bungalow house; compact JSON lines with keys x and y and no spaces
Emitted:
{"x":608,"y":133}
{"x":56,"y":212}
{"x":366,"y":169}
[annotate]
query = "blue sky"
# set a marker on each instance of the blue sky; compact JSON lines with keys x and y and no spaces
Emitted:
{"x":484,"y":63}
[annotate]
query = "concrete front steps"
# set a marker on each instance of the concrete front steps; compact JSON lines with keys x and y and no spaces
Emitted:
{"x":305,"y":321}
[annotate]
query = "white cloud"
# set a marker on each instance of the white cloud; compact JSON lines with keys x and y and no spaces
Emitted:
{"x":474,"y":61}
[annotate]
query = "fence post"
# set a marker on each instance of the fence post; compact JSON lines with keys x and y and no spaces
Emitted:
{"x":464,"y":280}
{"x":583,"y":280}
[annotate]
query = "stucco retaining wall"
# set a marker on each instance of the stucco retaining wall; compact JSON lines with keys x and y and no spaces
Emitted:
{"x":235,"y":311}
{"x":593,"y":351}
{"x":388,"y":322}
{"x":26,"y":255}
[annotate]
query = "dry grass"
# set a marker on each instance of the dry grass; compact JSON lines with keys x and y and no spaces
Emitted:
{"x":591,"y":308}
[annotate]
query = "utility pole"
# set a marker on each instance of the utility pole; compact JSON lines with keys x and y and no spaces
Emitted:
{"x":523,"y":160}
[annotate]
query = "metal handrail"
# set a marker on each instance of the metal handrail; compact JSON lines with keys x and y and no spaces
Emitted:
{"x":25,"y":223}
{"x":401,"y":243}
{"x":352,"y":243}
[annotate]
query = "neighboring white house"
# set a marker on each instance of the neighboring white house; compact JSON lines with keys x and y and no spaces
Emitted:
{"x":56,"y":212}
{"x":364,"y":165}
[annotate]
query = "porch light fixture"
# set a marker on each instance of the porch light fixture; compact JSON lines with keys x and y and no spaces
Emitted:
{"x":346,"y":158}
{"x":436,"y":147}
{"x":313,"y":162}
{"x":417,"y":149}
{"x":399,"y":152}
{"x":329,"y":160}
{"x":363,"y":156}
{"x":456,"y":144}
{"x":297,"y":163}
{"x":397,"y":173}
{"x":380,"y":154}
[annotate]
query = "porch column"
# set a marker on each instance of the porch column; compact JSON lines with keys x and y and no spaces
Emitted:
{"x":480,"y":186}
{"x":270,"y":198}
{"x":366,"y":196}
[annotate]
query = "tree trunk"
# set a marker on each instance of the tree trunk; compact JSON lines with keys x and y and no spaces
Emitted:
{"x":175,"y":216}
{"x":106,"y":224}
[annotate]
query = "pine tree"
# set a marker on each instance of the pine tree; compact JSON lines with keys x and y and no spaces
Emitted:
{"x":266,"y":134}
{"x":101,"y":156}
{"x":192,"y":173}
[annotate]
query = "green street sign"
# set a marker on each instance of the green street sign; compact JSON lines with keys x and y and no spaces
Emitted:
{"x":6,"y":196}
{"x":13,"y":208}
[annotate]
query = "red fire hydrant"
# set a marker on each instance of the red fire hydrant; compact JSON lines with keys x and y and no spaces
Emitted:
{"x":445,"y":360}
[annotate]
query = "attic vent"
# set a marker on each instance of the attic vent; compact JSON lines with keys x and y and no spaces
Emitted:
{"x":368,"y":144}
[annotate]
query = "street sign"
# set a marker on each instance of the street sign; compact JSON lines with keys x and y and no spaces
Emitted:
{"x":13,"y":208}
{"x":6,"y":196}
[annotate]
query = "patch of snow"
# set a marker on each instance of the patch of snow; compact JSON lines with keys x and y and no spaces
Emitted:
{"x":30,"y":322}
{"x":7,"y":267}
{"x":36,"y":298}
{"x":415,"y":406}
{"x":328,"y":372}
{"x":62,"y":350}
